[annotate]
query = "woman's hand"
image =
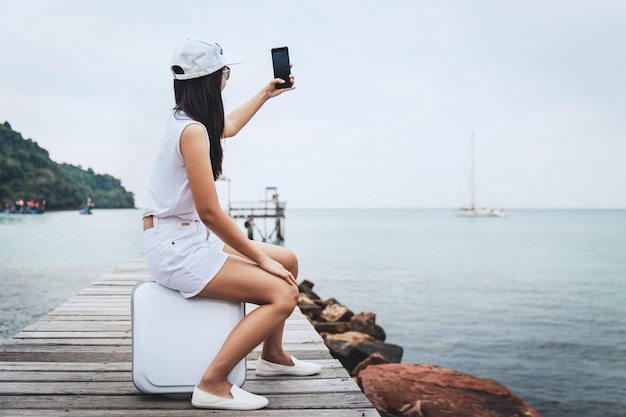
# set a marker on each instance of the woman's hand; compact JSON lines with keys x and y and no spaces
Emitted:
{"x":272,"y":91}
{"x":275,"y":268}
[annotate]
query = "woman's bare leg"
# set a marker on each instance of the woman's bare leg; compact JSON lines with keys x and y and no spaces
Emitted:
{"x":240,"y":280}
{"x":273,"y":344}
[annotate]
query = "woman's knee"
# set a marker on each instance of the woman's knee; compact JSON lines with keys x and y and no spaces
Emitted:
{"x":286,"y":299}
{"x":291,"y":262}
{"x":286,"y":257}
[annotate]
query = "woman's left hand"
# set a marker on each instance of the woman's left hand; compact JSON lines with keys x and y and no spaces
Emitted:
{"x":272,"y":91}
{"x":275,"y":268}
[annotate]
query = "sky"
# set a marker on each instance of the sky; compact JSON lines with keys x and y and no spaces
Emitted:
{"x":388,"y":96}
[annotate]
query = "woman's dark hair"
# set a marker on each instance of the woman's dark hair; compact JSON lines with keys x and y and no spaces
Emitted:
{"x":201,"y":99}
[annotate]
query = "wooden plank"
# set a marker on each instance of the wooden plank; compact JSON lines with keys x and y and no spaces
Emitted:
{"x":277,"y":386}
{"x":71,"y":335}
{"x":139,"y":275}
{"x":72,"y":401}
{"x":106,"y":301}
{"x":112,"y":374}
{"x":106,"y":290}
{"x":91,"y":312}
{"x":62,"y":376}
{"x":113,"y":283}
{"x":311,"y":412}
{"x":75,"y":342}
{"x":59,"y":353}
{"x":330,"y":367}
{"x":121,"y":311}
{"x":66,"y":356}
{"x":75,"y":325}
{"x":106,"y":297}
{"x":89,"y":315}
{"x":65,"y":366}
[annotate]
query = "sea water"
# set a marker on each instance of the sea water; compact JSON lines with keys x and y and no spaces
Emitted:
{"x":47,"y":258}
{"x":536,"y":301}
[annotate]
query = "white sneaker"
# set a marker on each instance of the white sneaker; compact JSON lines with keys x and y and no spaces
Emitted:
{"x":299,"y":368}
{"x":242,"y":400}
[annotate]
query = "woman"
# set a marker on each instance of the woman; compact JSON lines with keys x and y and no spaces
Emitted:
{"x":194,"y":247}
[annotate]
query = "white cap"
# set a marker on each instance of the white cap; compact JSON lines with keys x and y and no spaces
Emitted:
{"x":198,"y":57}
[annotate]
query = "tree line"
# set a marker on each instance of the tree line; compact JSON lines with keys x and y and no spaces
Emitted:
{"x":27,"y":173}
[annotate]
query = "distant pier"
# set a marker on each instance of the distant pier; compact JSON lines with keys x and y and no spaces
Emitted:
{"x":257,"y":214}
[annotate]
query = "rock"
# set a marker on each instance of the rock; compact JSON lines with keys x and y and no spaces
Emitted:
{"x":332,"y":301}
{"x":366,"y":323}
{"x":351,"y":348}
{"x":310,"y":307}
{"x":373,"y":359}
{"x":336,"y":312}
{"x":431,"y":391}
{"x":306,"y":287}
{"x":331,"y":327}
{"x":311,"y":312}
{"x":305,"y":301}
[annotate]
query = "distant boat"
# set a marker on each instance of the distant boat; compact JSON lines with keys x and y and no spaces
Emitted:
{"x":25,"y":207}
{"x":481,"y":212}
{"x":86,"y":209}
{"x":471,"y":210}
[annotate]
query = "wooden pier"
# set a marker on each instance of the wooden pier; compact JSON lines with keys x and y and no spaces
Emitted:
{"x":256,"y":215}
{"x":76,"y":361}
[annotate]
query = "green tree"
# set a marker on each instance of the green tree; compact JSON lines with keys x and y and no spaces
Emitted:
{"x":27,"y":172}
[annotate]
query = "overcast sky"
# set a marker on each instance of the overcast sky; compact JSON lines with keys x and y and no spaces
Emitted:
{"x":388,"y":96}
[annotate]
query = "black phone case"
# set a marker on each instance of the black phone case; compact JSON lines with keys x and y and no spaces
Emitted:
{"x":282,"y":66}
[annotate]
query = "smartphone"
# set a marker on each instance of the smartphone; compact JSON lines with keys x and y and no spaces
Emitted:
{"x":282,"y":67}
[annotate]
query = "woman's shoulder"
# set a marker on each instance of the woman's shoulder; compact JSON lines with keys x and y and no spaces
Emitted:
{"x":194,"y":129}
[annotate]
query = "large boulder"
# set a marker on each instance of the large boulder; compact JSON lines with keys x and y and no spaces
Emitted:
{"x":306,"y":287}
{"x":430,"y":391}
{"x":373,"y":359}
{"x":336,"y":312}
{"x":335,"y":327}
{"x":366,"y":323}
{"x":351,"y":348}
{"x":310,"y":307}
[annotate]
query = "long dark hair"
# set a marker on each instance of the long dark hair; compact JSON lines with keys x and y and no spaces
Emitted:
{"x":201,"y":99}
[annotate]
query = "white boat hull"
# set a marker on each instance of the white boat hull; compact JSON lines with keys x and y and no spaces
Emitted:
{"x":481,"y":212}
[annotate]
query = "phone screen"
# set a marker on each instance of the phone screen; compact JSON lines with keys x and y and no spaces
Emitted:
{"x":282,"y":68}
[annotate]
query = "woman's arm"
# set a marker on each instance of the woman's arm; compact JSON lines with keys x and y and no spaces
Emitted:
{"x":195,"y":150}
{"x":239,"y":117}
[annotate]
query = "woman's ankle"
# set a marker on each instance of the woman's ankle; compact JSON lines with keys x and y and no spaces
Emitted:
{"x":281,"y":359}
{"x":219,"y":388}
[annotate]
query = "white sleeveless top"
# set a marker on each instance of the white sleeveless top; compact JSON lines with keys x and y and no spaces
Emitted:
{"x":168,"y":190}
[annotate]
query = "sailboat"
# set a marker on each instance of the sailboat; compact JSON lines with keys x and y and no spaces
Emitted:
{"x":472,"y":210}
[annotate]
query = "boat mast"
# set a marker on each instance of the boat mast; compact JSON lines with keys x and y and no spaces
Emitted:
{"x":472,"y":172}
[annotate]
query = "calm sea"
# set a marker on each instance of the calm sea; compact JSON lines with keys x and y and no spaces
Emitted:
{"x":536,"y":301}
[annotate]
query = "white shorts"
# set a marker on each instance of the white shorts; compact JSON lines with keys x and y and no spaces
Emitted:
{"x":183,"y":254}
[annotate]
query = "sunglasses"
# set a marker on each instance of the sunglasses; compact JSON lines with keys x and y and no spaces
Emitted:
{"x":226,"y":72}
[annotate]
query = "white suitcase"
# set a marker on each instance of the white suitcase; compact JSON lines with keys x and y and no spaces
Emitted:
{"x":175,"y":339}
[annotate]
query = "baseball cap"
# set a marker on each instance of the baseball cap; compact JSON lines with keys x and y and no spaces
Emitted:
{"x":197,"y":57}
